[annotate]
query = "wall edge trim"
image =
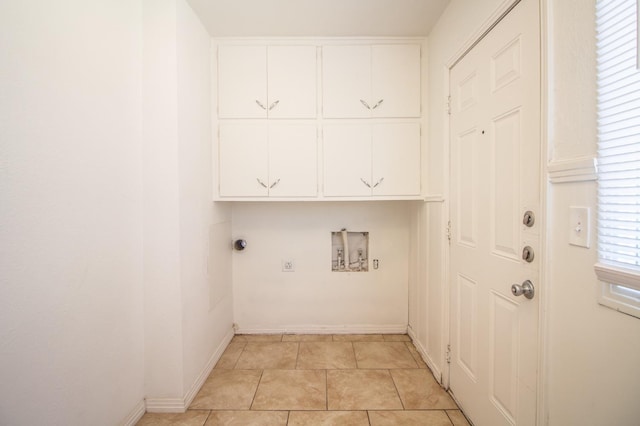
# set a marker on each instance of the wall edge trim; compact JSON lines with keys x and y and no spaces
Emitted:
{"x":436,"y":198}
{"x":135,"y":415}
{"x":180,"y":405}
{"x":579,"y":169}
{"x":437,"y":374}
{"x":165,"y":405}
{"x":202,"y":377}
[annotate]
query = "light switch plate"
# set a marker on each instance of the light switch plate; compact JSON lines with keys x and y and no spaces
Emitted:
{"x":580,"y":226}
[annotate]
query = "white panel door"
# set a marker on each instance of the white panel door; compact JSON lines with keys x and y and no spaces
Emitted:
{"x":242,"y":82}
{"x":292,"y":81}
{"x":293,"y":164}
{"x":396,"y":159}
{"x":395,"y":80}
{"x":243,"y":155}
{"x":346,"y":81}
{"x":347,"y":160}
{"x":495,"y":152}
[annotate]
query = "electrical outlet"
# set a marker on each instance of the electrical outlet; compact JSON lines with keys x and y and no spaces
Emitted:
{"x":288,"y":266}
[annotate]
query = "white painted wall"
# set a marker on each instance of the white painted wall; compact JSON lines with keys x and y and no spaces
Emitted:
{"x":115,"y":283}
{"x":204,"y":228}
{"x":162,"y":308}
{"x":188,"y":307}
{"x":592,"y":375}
{"x":71,"y":294}
{"x":314,"y":299}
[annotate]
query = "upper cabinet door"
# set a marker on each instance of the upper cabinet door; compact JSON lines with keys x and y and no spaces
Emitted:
{"x":292,"y":80}
{"x":347,"y":160}
{"x":293,"y":160}
{"x":346,"y":81}
{"x":261,"y":81}
{"x":242,"y":82}
{"x":243,"y":153}
{"x":395,"y":80}
{"x":371,"y":81}
{"x":395,"y":159}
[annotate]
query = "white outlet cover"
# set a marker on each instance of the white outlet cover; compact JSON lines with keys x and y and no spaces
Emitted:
{"x":580,"y":226}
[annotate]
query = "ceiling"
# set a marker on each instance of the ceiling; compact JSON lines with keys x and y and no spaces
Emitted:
{"x":320,"y":18}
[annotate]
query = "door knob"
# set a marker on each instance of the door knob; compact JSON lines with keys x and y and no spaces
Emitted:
{"x":525,"y":289}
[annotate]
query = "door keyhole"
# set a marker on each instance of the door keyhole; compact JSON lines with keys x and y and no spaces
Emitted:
{"x":529,"y":219}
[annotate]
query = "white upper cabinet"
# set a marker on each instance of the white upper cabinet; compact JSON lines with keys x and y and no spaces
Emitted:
{"x":395,"y":161}
{"x":380,"y":160}
{"x":267,"y":81}
{"x":268,"y":160}
{"x":243,"y":154}
{"x":292,"y":81}
{"x":371,"y":81}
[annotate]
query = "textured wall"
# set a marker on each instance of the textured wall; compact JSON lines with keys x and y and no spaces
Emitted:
{"x":71,"y":321}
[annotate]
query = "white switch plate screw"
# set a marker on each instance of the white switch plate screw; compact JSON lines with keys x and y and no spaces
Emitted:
{"x":288,"y":266}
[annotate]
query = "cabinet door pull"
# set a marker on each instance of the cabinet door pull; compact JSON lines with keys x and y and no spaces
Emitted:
{"x":378,"y":183}
{"x":274,"y":184}
{"x":261,"y":183}
{"x":366,"y":105}
{"x":366,"y":183}
{"x":260,"y":105}
{"x":273,"y":105}
{"x":378,"y":104}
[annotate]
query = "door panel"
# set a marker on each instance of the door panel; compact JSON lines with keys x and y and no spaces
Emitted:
{"x":505,"y":205}
{"x":495,"y":151}
{"x":467,"y":322}
{"x":467,"y":180}
{"x":504,"y":354}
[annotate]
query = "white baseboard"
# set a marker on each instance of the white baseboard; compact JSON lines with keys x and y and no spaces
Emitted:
{"x":165,"y":405}
{"x":215,"y":357}
{"x":180,"y":405}
{"x":135,"y":415}
{"x":425,"y":356}
{"x":325,"y":329}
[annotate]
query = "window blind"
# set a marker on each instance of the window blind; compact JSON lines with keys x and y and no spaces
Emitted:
{"x":618,"y":148}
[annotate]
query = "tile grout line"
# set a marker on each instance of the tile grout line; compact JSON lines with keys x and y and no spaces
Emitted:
{"x":448,"y":416}
{"x":326,"y":389}
{"x":239,"y":355}
{"x":295,"y":367}
{"x":355,"y":357}
{"x":397,"y":391}
{"x":253,"y":400}
{"x":205,"y":420}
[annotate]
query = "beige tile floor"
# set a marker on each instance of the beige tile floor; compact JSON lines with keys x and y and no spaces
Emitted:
{"x":296,"y":380}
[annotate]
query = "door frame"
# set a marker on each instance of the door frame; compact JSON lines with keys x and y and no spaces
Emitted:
{"x":545,"y":24}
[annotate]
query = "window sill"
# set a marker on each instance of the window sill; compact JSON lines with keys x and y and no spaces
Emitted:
{"x":619,"y":289}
